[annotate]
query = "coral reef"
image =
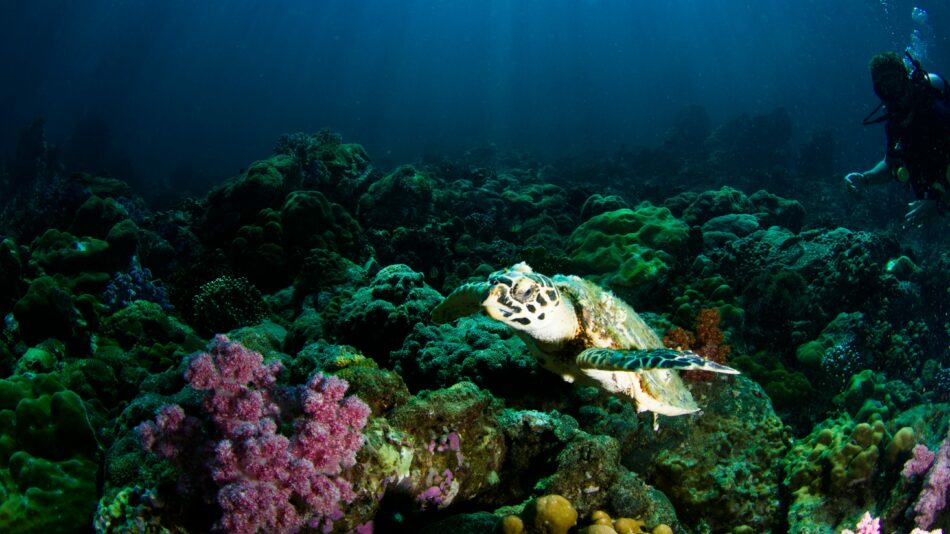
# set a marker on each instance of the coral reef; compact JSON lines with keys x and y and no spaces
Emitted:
{"x":334,"y":403}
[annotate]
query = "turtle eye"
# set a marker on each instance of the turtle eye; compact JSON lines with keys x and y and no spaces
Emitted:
{"x":524,"y":290}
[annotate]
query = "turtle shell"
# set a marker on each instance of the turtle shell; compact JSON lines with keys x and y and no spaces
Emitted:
{"x":608,"y":322}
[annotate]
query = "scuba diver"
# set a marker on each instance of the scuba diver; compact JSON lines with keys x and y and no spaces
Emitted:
{"x":917,"y":124}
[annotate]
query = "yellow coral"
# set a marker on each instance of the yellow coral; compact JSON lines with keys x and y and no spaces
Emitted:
{"x":597,"y":529}
{"x":554,"y":514}
{"x":512,"y":524}
{"x":903,"y":441}
{"x":626,"y":525}
{"x":600,"y":517}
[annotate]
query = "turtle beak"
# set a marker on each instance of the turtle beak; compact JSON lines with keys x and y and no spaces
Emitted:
{"x":494,"y":297}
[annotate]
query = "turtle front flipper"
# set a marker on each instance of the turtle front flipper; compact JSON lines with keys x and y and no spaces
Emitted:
{"x":647,"y":359}
{"x":467,"y":299}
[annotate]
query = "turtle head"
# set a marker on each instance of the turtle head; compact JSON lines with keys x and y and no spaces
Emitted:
{"x":529,"y":303}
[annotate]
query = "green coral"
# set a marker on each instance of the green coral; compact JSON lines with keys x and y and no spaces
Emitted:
{"x":475,"y":349}
{"x":629,"y":251}
{"x":788,"y":389}
{"x":61,"y":252}
{"x":343,"y":159}
{"x":711,"y":204}
{"x":324,"y":270}
{"x":832,"y":351}
{"x":597,"y":204}
{"x":97,"y":215}
{"x":133,"y":509}
{"x":258,"y":253}
{"x":238,"y":201}
{"x":707,"y":292}
{"x":263,"y":182}
{"x":48,"y":454}
{"x":402,"y":198}
{"x":11,"y":270}
{"x":831,"y":470}
{"x":310,"y":220}
{"x":41,"y":359}
{"x":145,"y":323}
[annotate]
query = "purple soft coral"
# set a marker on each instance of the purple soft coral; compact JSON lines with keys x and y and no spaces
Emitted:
{"x":933,"y":496}
{"x":267,"y":481}
{"x":919,"y":463}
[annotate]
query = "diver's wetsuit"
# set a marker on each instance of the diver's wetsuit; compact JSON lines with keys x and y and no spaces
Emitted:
{"x":921,"y":143}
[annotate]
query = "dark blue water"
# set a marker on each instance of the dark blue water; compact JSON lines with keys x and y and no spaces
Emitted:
{"x":150,"y":90}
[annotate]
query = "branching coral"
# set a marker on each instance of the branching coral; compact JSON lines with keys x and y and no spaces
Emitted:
{"x":708,"y":341}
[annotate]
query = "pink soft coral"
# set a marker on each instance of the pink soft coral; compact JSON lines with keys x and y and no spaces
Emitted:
{"x":867,"y":525}
{"x":267,"y":481}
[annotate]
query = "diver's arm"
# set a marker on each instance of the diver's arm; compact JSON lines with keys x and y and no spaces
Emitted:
{"x":877,"y":175}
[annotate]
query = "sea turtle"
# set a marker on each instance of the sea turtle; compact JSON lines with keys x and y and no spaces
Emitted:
{"x":584,"y":333}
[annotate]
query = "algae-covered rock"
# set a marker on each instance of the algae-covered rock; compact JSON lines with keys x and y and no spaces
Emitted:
{"x":378,"y":317}
{"x":47,"y":310}
{"x":459,"y":444}
{"x":587,"y":467}
{"x":726,"y":468}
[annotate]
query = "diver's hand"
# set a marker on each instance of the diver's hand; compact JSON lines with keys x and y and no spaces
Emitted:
{"x":856,"y":181}
{"x":921,"y":212}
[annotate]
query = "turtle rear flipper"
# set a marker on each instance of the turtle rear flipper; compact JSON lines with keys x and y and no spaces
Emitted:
{"x":466,"y":300}
{"x":647,"y":359}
